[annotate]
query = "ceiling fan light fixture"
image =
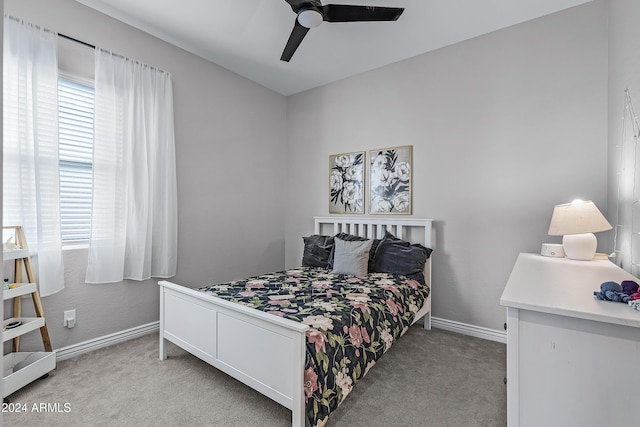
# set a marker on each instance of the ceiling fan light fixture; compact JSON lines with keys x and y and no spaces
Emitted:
{"x":310,"y":18}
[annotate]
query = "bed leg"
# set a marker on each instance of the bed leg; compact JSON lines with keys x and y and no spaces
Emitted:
{"x":163,"y":348}
{"x":297,"y":419}
{"x":298,"y":413}
{"x":427,"y":321}
{"x":163,"y":344}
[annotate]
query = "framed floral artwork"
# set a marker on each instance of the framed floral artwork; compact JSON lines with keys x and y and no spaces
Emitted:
{"x":346,"y":183}
{"x":390,"y":180}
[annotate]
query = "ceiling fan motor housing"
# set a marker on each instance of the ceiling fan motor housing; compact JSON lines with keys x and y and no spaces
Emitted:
{"x":310,"y":17}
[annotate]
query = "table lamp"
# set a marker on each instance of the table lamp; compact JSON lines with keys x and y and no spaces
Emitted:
{"x":576,"y":222}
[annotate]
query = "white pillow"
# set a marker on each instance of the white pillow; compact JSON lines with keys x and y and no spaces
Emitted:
{"x":351,"y":257}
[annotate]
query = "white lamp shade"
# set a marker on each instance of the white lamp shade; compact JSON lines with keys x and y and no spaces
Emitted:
{"x":577,"y":218}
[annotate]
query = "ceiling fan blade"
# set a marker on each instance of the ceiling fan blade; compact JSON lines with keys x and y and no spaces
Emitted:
{"x":295,"y":4}
{"x":297,"y":34}
{"x":348,"y":13}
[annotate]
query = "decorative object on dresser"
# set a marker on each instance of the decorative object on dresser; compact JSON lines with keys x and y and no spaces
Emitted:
{"x":552,"y":249}
{"x":346,"y":183}
{"x":317,"y":332}
{"x":390,"y":180}
{"x":576,"y":222}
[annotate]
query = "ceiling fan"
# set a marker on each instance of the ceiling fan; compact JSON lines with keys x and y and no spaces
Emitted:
{"x":311,"y":13}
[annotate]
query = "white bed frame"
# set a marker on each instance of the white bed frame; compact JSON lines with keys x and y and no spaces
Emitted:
{"x":225,"y":334}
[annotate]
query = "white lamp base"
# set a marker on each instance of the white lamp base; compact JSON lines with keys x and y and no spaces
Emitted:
{"x":580,"y":246}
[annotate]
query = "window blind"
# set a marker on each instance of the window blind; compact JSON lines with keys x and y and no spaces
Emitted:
{"x":75,"y":115}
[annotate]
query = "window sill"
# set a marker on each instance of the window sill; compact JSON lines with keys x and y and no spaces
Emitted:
{"x":75,"y":246}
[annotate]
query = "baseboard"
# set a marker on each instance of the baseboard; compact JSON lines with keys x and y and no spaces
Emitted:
{"x":129,"y":334}
{"x":105,"y":341}
{"x":471,"y":330}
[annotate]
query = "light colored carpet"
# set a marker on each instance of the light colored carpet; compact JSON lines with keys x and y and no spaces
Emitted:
{"x":428,"y":378}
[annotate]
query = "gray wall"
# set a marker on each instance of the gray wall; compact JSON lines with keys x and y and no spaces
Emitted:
{"x":624,"y":73}
{"x":503,"y":127}
{"x":230,"y":146}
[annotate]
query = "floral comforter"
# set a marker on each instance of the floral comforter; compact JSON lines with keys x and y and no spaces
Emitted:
{"x":353,"y":321}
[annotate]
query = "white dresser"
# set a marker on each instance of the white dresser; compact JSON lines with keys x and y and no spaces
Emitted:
{"x":571,"y":360}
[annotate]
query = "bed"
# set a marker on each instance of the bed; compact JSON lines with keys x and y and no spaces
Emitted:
{"x":225,"y":327}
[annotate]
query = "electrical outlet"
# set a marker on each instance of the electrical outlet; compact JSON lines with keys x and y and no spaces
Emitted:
{"x":69,"y":319}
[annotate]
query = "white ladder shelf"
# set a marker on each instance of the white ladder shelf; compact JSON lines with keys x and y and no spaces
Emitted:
{"x":21,"y":368}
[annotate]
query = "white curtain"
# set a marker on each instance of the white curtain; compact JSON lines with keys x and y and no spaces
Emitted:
{"x":31,"y":171}
{"x":134,"y":214}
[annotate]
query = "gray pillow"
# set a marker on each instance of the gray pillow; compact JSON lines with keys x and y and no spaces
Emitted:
{"x":351,"y":237}
{"x":351,"y":257}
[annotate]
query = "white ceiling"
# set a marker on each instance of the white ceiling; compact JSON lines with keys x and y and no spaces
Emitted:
{"x":248,"y":36}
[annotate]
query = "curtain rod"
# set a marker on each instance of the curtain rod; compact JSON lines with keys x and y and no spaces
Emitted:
{"x":64,"y":36}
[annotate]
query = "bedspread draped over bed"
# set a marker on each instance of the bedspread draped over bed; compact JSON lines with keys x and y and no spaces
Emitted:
{"x":353,"y":321}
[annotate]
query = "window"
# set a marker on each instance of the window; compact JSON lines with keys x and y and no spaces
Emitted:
{"x":75,"y":115}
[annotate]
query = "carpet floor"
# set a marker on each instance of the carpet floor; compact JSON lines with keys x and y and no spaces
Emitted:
{"x":428,"y":378}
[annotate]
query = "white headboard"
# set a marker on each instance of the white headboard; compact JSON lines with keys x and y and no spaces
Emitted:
{"x":411,"y":229}
{"x":374,"y":228}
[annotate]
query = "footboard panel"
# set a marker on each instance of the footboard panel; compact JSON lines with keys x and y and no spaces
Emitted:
{"x":184,"y":320}
{"x":258,"y":353}
{"x":263,"y":351}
